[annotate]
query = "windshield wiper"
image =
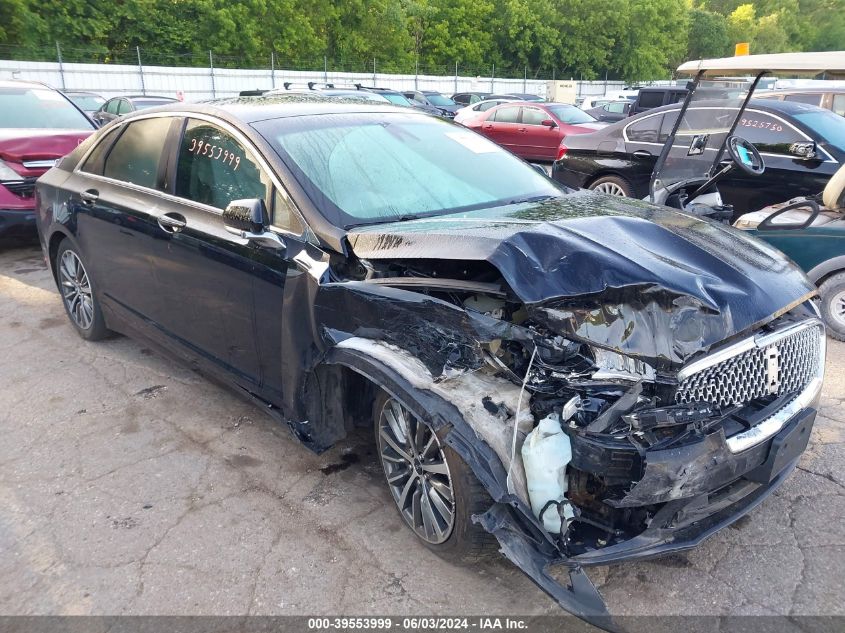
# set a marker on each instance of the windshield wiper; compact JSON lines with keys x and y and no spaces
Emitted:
{"x":531,"y":199}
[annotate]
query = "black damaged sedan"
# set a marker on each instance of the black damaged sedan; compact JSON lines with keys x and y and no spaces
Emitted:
{"x":572,"y":378}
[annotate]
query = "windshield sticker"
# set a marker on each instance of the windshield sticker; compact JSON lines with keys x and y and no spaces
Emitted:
{"x":215,"y":152}
{"x":473,"y":142}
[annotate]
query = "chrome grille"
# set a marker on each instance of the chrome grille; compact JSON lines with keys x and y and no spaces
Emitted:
{"x":771,"y":365}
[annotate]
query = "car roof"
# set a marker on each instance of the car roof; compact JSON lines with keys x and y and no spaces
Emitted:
{"x":18,"y":83}
{"x":277,"y":106}
{"x":147,"y":97}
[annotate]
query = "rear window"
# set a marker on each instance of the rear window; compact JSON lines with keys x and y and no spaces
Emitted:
{"x":440,"y":100}
{"x":39,"y":108}
{"x":136,"y":155}
{"x":650,"y":99}
{"x":141,"y":104}
{"x":810,"y":99}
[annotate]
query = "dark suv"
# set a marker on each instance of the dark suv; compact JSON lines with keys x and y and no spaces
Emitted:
{"x":349,"y":264}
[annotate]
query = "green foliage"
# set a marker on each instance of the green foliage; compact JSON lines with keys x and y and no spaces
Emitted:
{"x":708,"y":35}
{"x":630,"y":39}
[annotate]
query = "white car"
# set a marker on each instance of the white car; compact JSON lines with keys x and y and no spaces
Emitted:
{"x":477,"y":109}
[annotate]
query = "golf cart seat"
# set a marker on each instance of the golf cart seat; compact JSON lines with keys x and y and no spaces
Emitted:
{"x":834,"y":194}
{"x":801,"y":212}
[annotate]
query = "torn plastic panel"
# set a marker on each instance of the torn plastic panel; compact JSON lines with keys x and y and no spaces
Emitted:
{"x":458,"y":405}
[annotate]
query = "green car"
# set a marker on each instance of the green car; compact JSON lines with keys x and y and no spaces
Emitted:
{"x":813,"y":236}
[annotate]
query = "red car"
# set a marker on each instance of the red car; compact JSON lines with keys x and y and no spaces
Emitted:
{"x":533,"y":130}
{"x":38,"y":125}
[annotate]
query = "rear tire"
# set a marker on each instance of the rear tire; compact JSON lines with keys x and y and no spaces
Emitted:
{"x":78,"y":296}
{"x":612,"y":185}
{"x":424,"y":463}
{"x":832,"y":293}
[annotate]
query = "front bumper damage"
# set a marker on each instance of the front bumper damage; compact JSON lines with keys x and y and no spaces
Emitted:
{"x":693,"y":491}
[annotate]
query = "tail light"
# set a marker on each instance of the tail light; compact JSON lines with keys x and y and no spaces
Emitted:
{"x":561,"y":151}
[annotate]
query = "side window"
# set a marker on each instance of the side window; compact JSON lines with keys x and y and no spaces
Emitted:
{"x":214,"y":168}
{"x":137,"y":154}
{"x":94,"y":163}
{"x":124,"y":107}
{"x":283,"y":214}
{"x":483,"y":107}
{"x":617,"y":107}
{"x":111,"y":106}
{"x":462,"y":99}
{"x":533,"y":116}
{"x":811,"y":99}
{"x":650,"y":99}
{"x":506,"y":115}
{"x":646,"y":130}
{"x":839,"y":104}
{"x":767,"y":133}
{"x":669,"y":120}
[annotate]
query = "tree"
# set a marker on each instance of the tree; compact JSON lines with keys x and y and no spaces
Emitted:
{"x":654,"y":41}
{"x":708,"y":35}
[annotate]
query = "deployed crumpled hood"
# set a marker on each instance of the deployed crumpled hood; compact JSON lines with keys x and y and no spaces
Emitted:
{"x":618,"y":272}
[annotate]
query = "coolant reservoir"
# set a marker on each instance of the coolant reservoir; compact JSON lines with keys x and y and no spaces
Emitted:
{"x":545,"y":454}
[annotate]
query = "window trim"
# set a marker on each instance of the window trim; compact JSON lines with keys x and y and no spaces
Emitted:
{"x":547,"y":116}
{"x":829,"y":159}
{"x":307,"y":234}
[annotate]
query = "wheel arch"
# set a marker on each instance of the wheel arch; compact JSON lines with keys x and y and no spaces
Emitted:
{"x":822,"y":272}
{"x":55,"y":239}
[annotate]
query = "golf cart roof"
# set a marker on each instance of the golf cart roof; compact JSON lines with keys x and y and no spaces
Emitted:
{"x":832,"y":63}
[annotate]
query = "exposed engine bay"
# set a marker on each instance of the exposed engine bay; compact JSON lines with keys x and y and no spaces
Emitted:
{"x":615,"y":411}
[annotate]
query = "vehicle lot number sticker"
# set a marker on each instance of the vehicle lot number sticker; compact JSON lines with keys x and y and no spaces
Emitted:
{"x":215,"y":152}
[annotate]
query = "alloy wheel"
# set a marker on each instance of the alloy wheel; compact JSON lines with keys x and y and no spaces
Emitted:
{"x":610,"y":188}
{"x":76,"y":290}
{"x":417,"y":473}
{"x":837,"y":308}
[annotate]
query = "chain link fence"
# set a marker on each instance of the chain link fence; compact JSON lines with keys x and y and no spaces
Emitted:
{"x":195,"y":77}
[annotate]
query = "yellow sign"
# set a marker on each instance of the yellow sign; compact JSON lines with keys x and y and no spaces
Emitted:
{"x":741,"y":49}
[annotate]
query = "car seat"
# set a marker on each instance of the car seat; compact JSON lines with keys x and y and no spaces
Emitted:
{"x":800,"y":213}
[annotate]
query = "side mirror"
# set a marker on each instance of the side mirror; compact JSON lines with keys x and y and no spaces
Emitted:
{"x":549,"y":123}
{"x":806,"y":151}
{"x":249,"y":220}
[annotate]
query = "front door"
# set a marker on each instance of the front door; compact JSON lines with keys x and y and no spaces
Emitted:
{"x":539,"y":141}
{"x":207,"y":275}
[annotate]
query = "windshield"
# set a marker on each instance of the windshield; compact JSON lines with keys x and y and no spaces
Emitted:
{"x":87,"y":102}
{"x":713,"y":108}
{"x":439,"y":100}
{"x":39,"y":108}
{"x":141,"y":104}
{"x":827,"y":125}
{"x":571,"y":114}
{"x":366,"y":168}
{"x":395,"y":97}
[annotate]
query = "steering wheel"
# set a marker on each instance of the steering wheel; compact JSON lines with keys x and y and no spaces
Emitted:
{"x":745,"y":156}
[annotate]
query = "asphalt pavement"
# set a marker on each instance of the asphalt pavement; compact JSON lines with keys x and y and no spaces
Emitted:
{"x":130,"y":485}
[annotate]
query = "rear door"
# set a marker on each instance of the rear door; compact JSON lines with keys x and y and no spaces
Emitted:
{"x":644,"y":139}
{"x":116,"y":200}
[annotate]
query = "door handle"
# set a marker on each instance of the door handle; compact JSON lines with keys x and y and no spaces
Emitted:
{"x":89,"y":196}
{"x":521,"y":129}
{"x":488,"y":127}
{"x":641,"y":153}
{"x":172,"y":222}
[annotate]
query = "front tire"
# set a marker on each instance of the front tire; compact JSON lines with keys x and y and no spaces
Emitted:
{"x":80,"y":302}
{"x":434,"y":491}
{"x":612,"y":185}
{"x":832,"y":293}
